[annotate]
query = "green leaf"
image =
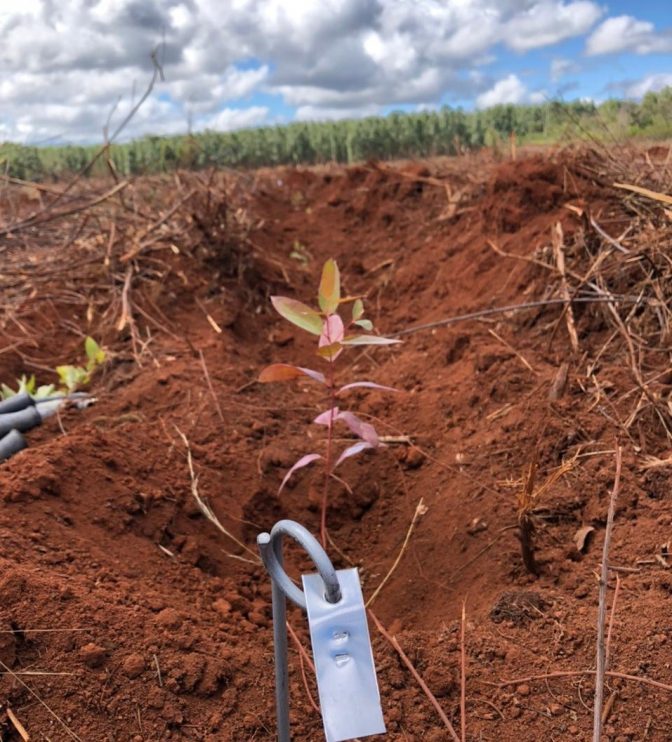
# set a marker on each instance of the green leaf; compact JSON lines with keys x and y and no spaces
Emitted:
{"x":368,"y":340}
{"x":365,"y":324}
{"x":72,"y":376}
{"x":298,"y":314}
{"x":46,"y":390}
{"x":26,"y":384}
{"x":94,"y":352}
{"x":6,"y":392}
{"x":357,"y":309}
{"x":329,"y":294}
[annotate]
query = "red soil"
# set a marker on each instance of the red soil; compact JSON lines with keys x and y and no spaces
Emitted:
{"x":156,"y":632}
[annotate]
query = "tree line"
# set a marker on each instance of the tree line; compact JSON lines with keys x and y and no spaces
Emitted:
{"x":445,"y":131}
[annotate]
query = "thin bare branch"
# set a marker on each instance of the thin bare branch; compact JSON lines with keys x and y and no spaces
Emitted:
{"x":602,"y":606}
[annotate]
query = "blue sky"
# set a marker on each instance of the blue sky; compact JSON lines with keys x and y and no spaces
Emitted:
{"x":66,"y":66}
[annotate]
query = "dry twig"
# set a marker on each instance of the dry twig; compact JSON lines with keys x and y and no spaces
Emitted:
{"x":602,"y":607}
{"x":420,"y":510}
{"x":52,"y":713}
{"x":577,"y":673}
{"x":404,"y":658}
{"x":207,"y":511}
{"x":515,"y":308}
{"x":463,"y":673}
{"x":557,"y":239}
{"x":218,"y":406}
{"x":18,"y":725}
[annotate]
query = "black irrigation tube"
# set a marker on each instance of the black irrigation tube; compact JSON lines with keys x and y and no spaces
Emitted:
{"x":23,"y":412}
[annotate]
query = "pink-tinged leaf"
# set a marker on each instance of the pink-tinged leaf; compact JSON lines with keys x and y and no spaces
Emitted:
{"x":303,"y":461}
{"x":330,"y":339}
{"x":357,"y":310}
{"x":367,"y":385}
{"x":285,"y":372}
{"x":365,"y":431}
{"x":368,"y":340}
{"x":365,"y":324}
{"x":298,"y":314}
{"x":352,"y":451}
{"x":332,"y":330}
{"x":329,"y":294}
{"x":330,"y":352}
{"x":326,"y":417}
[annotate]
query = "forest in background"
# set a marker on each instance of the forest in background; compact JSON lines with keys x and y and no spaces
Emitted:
{"x":446,"y":131}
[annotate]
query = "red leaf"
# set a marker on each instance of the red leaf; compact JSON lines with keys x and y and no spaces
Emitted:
{"x":368,"y":385}
{"x":285,"y":372}
{"x":366,"y":431}
{"x":352,"y":451}
{"x":327,"y":417}
{"x":303,"y":461}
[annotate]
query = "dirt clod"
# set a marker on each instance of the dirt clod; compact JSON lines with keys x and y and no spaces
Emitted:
{"x":133,"y":665}
{"x":92,"y":655}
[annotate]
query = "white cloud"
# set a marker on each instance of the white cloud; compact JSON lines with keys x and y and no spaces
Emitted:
{"x":326,"y":58}
{"x":547,"y":23}
{"x":235,"y":118}
{"x":625,"y":33}
{"x":508,"y":90}
{"x":648,"y":84}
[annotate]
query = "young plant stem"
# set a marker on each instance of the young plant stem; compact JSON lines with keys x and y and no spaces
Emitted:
{"x":328,"y":457}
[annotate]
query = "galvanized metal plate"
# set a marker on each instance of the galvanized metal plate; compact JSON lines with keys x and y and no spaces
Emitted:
{"x":346,"y":674}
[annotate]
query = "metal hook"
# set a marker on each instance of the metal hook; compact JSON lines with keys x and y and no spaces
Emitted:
{"x":270,"y":547}
{"x":273,"y":561}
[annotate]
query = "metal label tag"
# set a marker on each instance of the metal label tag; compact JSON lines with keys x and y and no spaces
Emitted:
{"x":346,"y":675}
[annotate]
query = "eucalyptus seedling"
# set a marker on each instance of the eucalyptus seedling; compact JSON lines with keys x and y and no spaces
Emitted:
{"x":334,"y":335}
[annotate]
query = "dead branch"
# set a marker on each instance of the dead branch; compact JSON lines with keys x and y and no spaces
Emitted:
{"x":602,"y":607}
{"x":207,"y":511}
{"x":557,"y":240}
{"x":515,"y":308}
{"x":463,"y":673}
{"x":577,"y":673}
{"x":404,"y":658}
{"x":654,"y":195}
{"x":420,"y":510}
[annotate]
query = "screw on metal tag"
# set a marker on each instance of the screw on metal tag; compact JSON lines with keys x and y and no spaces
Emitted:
{"x":346,"y":675}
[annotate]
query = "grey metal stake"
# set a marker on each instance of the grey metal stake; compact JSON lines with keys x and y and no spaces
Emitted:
{"x":346,"y":676}
{"x":279,"y":642}
{"x":270,"y":548}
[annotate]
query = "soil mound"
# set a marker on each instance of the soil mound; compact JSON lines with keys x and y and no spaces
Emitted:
{"x":131,"y":616}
